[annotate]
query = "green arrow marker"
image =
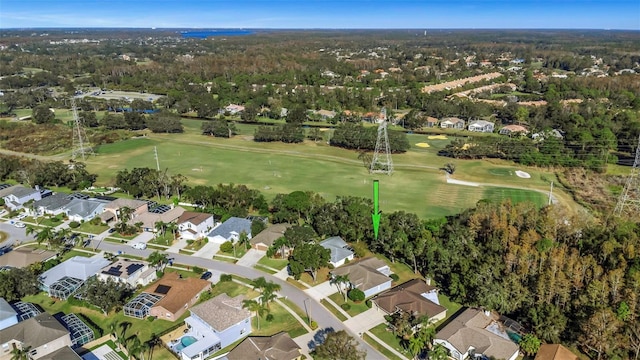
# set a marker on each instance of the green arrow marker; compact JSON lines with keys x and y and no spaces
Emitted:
{"x":376,"y":211}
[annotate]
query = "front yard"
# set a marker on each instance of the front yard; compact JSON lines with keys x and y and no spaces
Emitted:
{"x":196,"y":245}
{"x":386,"y":335}
{"x":165,"y":239}
{"x":90,"y":228}
{"x":356,"y":308}
{"x":277,"y":264}
{"x":282,"y":321}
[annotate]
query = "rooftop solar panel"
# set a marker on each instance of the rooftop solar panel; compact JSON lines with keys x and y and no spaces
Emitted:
{"x":133,"y":268}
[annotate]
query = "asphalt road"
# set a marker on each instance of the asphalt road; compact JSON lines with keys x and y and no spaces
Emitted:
{"x":317,"y":312}
{"x":16,"y":235}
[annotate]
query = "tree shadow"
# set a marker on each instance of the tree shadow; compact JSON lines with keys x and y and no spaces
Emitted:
{"x":319,"y":337}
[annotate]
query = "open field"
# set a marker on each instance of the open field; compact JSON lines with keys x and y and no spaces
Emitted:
{"x":417,"y":185}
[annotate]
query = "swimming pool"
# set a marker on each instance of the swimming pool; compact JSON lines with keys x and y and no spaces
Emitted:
{"x":184,"y":342}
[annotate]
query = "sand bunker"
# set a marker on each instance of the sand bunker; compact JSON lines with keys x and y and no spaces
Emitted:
{"x":437,"y":137}
{"x":422,"y":145}
{"x":324,"y":129}
{"x":522,"y":174}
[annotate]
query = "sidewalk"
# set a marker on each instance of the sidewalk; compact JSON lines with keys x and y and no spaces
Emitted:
{"x":365,"y":321}
{"x":251,"y":258}
{"x":175,"y":248}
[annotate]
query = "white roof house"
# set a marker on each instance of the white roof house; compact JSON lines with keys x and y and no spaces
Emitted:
{"x":339,"y":250}
{"x":8,"y":316}
{"x":481,"y":126}
{"x":230,"y":230}
{"x":78,"y":267}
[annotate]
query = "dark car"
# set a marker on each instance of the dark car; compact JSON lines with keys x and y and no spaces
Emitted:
{"x":112,"y":230}
{"x":206,"y":276}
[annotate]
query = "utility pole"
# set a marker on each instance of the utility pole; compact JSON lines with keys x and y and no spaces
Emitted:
{"x":79,"y":135}
{"x":381,"y":162}
{"x":551,"y":192}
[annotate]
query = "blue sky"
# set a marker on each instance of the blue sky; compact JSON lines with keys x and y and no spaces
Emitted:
{"x":566,"y":14}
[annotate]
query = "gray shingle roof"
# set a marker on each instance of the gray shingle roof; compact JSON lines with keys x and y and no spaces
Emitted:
{"x":53,"y":202}
{"x":84,"y":208}
{"x":337,"y":247}
{"x":222,"y":311}
{"x":34,"y":332}
{"x":233,"y":224}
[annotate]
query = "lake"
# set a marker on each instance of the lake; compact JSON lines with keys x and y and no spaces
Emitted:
{"x":203,"y":34}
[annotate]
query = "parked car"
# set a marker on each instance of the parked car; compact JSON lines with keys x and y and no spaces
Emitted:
{"x":19,"y":224}
{"x":139,"y":245}
{"x":206,"y":276}
{"x":112,"y":230}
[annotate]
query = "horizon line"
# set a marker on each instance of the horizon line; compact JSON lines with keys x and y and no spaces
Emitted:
{"x":297,"y":28}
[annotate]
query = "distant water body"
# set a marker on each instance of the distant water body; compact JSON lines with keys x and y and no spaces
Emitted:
{"x":203,"y":34}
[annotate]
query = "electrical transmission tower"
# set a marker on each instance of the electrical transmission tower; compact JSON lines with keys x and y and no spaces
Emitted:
{"x":629,"y":201}
{"x":381,"y":162}
{"x":79,"y":136}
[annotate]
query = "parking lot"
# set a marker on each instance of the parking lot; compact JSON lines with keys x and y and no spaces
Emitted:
{"x":116,"y":94}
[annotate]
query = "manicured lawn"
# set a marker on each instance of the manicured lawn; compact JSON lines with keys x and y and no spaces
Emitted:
{"x":125,"y":237}
{"x":71,"y":253}
{"x":388,"y":354}
{"x":295,"y":308}
{"x":233,"y":289}
{"x":167,"y":239}
{"x":141,"y":328}
{"x":296,"y":283}
{"x":225,"y":259}
{"x":277,"y":264}
{"x":264,"y":269}
{"x":50,"y":221}
{"x":282,"y":321}
{"x":321,"y":276}
{"x":452,"y":307}
{"x":113,"y":346}
{"x":388,"y":337}
{"x":416,"y":186}
{"x":196,"y":244}
{"x":333,"y":310}
{"x":516,"y":196}
{"x":238,"y":253}
{"x":90,"y":228}
{"x":356,"y":308}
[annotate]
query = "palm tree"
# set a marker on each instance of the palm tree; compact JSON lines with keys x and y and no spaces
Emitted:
{"x":20,"y":353}
{"x":161,"y":227}
{"x":152,"y":343}
{"x":172,"y":227}
{"x":113,"y":330}
{"x":45,"y":235}
{"x":339,"y":281}
{"x":259,"y":283}
{"x":30,"y":230}
{"x":255,"y":306}
{"x":124,"y":214}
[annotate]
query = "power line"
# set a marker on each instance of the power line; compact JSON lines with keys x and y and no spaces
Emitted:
{"x":629,"y":201}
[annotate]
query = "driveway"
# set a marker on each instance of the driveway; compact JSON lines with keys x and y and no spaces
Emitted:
{"x":208,"y":250}
{"x":16,"y":235}
{"x":145,"y":237}
{"x":251,"y":258}
{"x":317,"y":312}
{"x":322,"y":291}
{"x":365,"y":321}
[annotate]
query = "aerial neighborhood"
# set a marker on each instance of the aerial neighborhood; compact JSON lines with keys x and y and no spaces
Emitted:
{"x":225,"y":194}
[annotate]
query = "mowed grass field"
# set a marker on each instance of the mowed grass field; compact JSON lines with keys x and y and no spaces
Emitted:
{"x":418,"y":185}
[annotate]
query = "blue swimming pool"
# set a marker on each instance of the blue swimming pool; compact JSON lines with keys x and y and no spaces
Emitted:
{"x":184,"y":342}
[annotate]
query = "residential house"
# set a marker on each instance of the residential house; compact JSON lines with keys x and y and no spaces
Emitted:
{"x":415,"y":297}
{"x":279,"y":346}
{"x":131,"y":272}
{"x":25,"y":256}
{"x":325,"y":114}
{"x":65,"y":353}
{"x":555,"y":352}
{"x":51,"y":205}
{"x":215,"y":324}
{"x":230,"y":230}
{"x":452,"y":123}
{"x":234,"y":109}
{"x":195,"y":225}
{"x":112,"y":209}
{"x":370,"y":275}
{"x":514,"y":130}
{"x":17,"y":195}
{"x":177,"y":294}
{"x":65,"y":278}
{"x":478,"y":333}
{"x":265,"y":239}
{"x":431,"y":122}
{"x":340,"y":251}
{"x":481,"y":126}
{"x":8,"y":316}
{"x":149,"y":219}
{"x":548,"y":134}
{"x":42,"y":335}
{"x":84,"y":209}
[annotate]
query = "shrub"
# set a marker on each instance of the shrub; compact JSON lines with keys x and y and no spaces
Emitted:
{"x":198,"y":270}
{"x":368,"y":303}
{"x":394,"y":277}
{"x":359,"y":249}
{"x":189,"y":242}
{"x":345,"y":307}
{"x":95,"y":221}
{"x":225,"y":278}
{"x":269,"y":317}
{"x":356,"y":295}
{"x":151,"y":318}
{"x":159,"y":274}
{"x":227,"y":247}
{"x":74,"y":224}
{"x":314,"y":325}
{"x":331,"y":267}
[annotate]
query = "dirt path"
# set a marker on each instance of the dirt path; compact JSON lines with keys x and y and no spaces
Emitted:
{"x":57,"y":157}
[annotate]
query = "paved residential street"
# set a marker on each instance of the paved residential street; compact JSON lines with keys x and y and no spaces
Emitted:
{"x":317,"y":312}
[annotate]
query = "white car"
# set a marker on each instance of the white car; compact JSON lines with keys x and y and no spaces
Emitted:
{"x":19,"y":224}
{"x":139,"y":245}
{"x":21,"y":216}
